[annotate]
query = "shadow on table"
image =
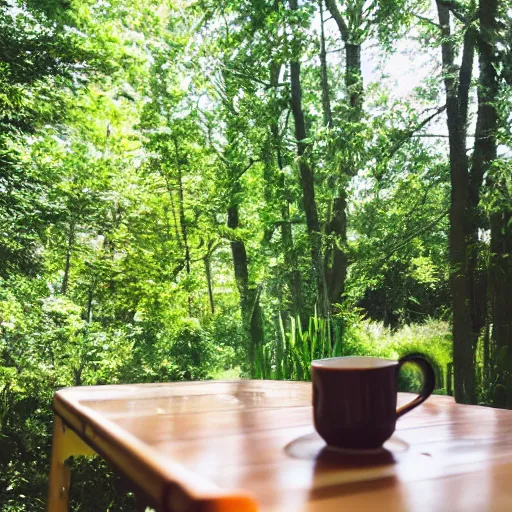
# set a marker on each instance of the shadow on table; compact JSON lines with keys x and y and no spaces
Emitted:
{"x":338,"y":472}
{"x":312,"y":447}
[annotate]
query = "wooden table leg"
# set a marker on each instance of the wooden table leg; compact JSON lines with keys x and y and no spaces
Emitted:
{"x":65,"y":444}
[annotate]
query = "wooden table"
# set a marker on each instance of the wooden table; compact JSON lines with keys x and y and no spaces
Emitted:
{"x":250,"y":445}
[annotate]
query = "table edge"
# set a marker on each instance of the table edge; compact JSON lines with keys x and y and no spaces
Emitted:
{"x":163,"y":480}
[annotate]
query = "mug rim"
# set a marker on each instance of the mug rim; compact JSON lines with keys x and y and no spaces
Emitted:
{"x":379,"y":362}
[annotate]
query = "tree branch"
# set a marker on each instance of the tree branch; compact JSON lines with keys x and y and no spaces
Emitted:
{"x":244,"y":170}
{"x":286,"y":121}
{"x":412,"y":131}
{"x":456,"y":8}
{"x":241,"y":74}
{"x":369,"y":9}
{"x":269,"y":232}
{"x":338,"y":18}
{"x":430,"y":136}
{"x":426,"y":20}
{"x":466,"y":73}
{"x":410,"y":238}
{"x":422,"y":201}
{"x":449,"y":68}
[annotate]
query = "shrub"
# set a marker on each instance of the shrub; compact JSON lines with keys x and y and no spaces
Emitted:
{"x":290,"y":355}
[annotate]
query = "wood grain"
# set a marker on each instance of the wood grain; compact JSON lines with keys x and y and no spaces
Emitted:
{"x":228,"y":445}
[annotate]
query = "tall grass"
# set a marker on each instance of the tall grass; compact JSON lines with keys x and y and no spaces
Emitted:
{"x":289,"y":355}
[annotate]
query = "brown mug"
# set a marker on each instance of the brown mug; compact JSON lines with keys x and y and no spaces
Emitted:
{"x":354,"y":398}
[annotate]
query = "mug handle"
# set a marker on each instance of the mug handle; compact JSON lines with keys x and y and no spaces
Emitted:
{"x":429,"y":379}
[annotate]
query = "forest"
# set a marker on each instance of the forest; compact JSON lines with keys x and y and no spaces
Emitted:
{"x":223,"y":189}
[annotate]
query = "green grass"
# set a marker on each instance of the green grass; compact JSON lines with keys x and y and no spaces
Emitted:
{"x":230,"y":374}
{"x":290,"y":354}
{"x":432,"y":338}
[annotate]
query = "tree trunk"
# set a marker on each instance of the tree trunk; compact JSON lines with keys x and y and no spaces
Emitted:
{"x":257,"y":332}
{"x":501,"y":306}
{"x":336,"y":263}
{"x":307,"y":183}
{"x":183,"y":221}
{"x":173,"y":208}
{"x":354,"y":79}
{"x":239,"y":254}
{"x":90,"y":297}
{"x":484,"y":154}
{"x":463,"y":353}
{"x":249,"y":296}
{"x":326,"y":99}
{"x":175,"y":219}
{"x":292,"y":271}
{"x":291,"y":265}
{"x":69,"y":252}
{"x":486,"y":355}
{"x":208,"y":272}
{"x":276,"y":191}
{"x":500,"y":271}
{"x":336,"y":258}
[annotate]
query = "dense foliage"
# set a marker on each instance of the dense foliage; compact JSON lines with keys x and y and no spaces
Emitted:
{"x":222,"y":189}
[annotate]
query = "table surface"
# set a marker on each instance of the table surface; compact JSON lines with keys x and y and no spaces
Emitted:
{"x":254,"y":442}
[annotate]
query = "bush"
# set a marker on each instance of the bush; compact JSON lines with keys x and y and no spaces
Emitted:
{"x":47,"y":344}
{"x":289,"y":357}
{"x":192,"y":351}
{"x":432,"y":338}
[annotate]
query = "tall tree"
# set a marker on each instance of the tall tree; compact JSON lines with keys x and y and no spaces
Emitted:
{"x":41,"y":62}
{"x":306,"y":173}
{"x":457,"y":85}
{"x":352,"y":35}
{"x":326,"y":93}
{"x":485,"y":158}
{"x":274,"y":156}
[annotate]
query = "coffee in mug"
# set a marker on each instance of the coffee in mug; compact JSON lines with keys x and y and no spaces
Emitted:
{"x":354,"y":398}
